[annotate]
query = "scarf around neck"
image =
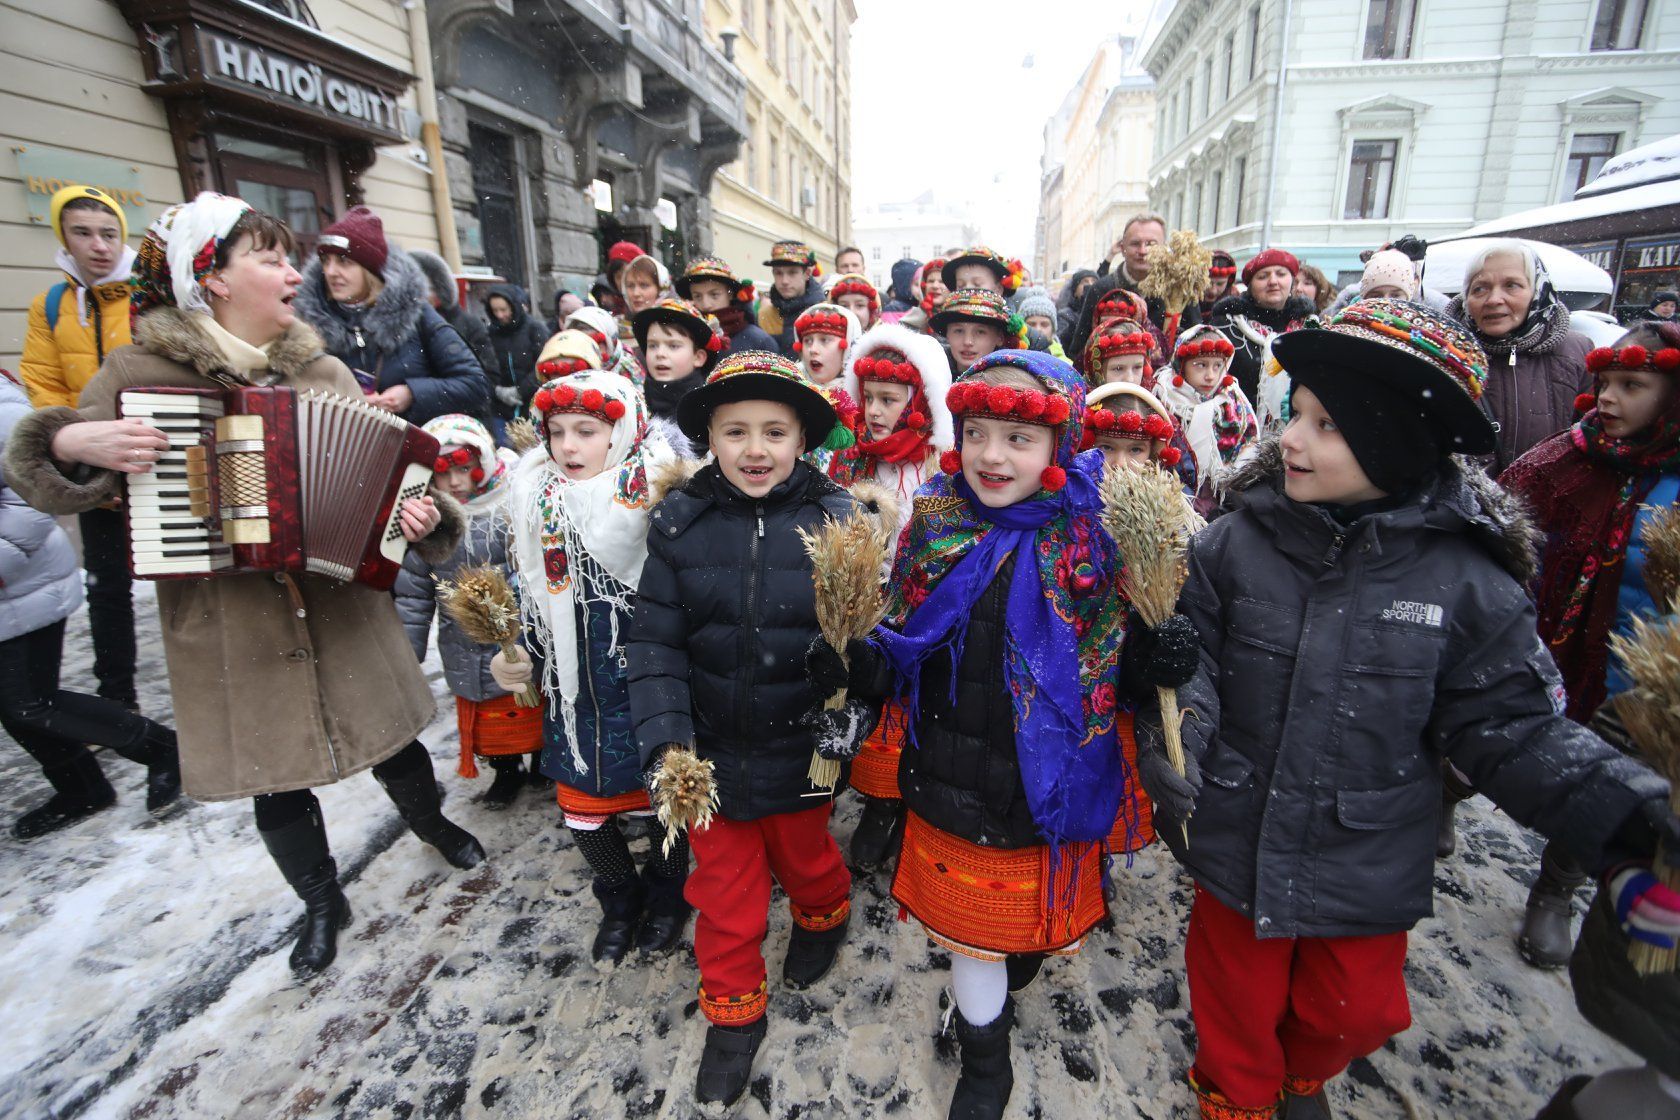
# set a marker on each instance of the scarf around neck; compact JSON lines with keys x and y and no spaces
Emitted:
{"x":1216,"y":426}
{"x":114,"y":285}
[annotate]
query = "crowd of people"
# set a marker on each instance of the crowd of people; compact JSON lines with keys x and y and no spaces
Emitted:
{"x":1414,"y":527}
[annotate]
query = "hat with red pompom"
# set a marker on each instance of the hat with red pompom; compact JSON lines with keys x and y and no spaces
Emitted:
{"x":1059,"y":404}
{"x":609,"y":397}
{"x":825,"y":318}
{"x":465,"y":442}
{"x":715,"y":269}
{"x":851,"y":284}
{"x":1011,"y":274}
{"x":895,"y":354}
{"x":570,"y":351}
{"x":1128,"y":411}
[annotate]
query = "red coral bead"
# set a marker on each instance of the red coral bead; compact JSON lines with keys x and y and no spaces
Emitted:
{"x":951,"y":462}
{"x":1053,"y":479}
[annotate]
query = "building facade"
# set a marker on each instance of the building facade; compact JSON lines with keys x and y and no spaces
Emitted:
{"x":792,"y":176}
{"x":570,"y":124}
{"x":920,"y":229}
{"x":303,"y":109}
{"x":1395,"y":116}
{"x":1095,"y":162}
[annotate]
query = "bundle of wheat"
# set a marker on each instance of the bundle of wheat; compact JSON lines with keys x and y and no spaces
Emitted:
{"x":483,"y":606}
{"x":684,"y":793}
{"x":1651,"y":712}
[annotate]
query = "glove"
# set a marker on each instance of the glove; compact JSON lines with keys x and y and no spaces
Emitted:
{"x":1165,"y":656}
{"x":829,"y":672}
{"x":651,"y":770}
{"x":1174,"y":795}
{"x":839,"y":733}
{"x":1648,"y":911}
{"x":511,"y":673}
{"x":508,"y":395}
{"x":1649,"y":829}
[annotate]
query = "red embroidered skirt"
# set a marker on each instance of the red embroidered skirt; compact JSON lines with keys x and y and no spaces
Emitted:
{"x":989,"y":902}
{"x":492,"y":728}
{"x":875,"y":769}
{"x":1134,"y":824}
{"x":577,"y":804}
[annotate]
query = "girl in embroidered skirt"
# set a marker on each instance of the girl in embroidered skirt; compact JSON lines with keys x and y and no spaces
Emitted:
{"x":478,"y":475}
{"x":580,"y":507}
{"x":1216,"y":425}
{"x":898,"y":379}
{"x":1003,"y":641}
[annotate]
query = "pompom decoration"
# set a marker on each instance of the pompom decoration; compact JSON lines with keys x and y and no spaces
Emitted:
{"x":798,"y":347}
{"x":1057,"y":411}
{"x":1600,"y":358}
{"x":1053,"y":479}
{"x":951,"y":462}
{"x":613,"y":410}
{"x":1032,"y":405}
{"x":543,"y":401}
{"x":1001,"y":399}
{"x":593,"y":399}
{"x":839,"y":438}
{"x":1667,"y":359}
{"x":842,"y":346}
{"x":477,"y":474}
{"x":916,"y":421}
{"x":441,"y":466}
{"x":1632,"y":357}
{"x":715,"y":343}
{"x":1585,"y":402}
{"x":1170,"y":457}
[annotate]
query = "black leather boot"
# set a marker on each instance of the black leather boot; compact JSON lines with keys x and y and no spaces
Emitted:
{"x":666,"y":914}
{"x":79,"y":790}
{"x":1305,"y":1106}
{"x":1023,"y":969}
{"x":726,"y":1063}
{"x":1546,"y":940}
{"x":299,"y":848}
{"x":415,"y":794}
{"x":505,"y":787}
{"x":155,"y":748}
{"x":987,"y":1078}
{"x":811,"y":953}
{"x":880,"y":827}
{"x":621,"y":911}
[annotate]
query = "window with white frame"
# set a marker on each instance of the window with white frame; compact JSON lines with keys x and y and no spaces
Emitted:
{"x":1253,"y":43}
{"x":1388,"y":28}
{"x":1588,"y":153}
{"x":1370,"y":185}
{"x":1618,"y":25}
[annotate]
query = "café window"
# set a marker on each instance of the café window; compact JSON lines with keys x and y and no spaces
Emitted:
{"x":286,"y":178}
{"x":496,"y":190}
{"x":1588,"y":153}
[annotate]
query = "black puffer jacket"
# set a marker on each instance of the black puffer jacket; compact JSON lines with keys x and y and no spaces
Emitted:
{"x":777,"y":315}
{"x":963,"y":776}
{"x":725,"y":614}
{"x":517,"y":344}
{"x":1246,"y":322}
{"x":468,"y":324}
{"x":400,"y":340}
{"x":1340,"y":665}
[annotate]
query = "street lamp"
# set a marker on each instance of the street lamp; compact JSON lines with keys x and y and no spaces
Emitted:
{"x":729,"y":35}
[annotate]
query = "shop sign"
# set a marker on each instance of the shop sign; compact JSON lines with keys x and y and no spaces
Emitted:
{"x":1600,"y":253}
{"x":45,"y":171}
{"x":1649,"y":265}
{"x":229,"y":61}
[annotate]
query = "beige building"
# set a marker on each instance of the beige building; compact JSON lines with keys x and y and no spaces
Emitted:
{"x":793,"y":176}
{"x":301,"y":108}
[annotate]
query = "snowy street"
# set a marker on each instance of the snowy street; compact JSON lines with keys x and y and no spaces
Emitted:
{"x":143,"y":970}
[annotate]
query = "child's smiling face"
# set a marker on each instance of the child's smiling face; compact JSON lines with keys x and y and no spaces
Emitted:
{"x":756,"y":444}
{"x":1002,"y":460}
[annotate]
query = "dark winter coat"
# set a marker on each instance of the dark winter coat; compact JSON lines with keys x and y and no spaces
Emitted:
{"x":725,"y":614}
{"x":777,"y":315}
{"x":1236,"y":316}
{"x":1106,"y":283}
{"x":400,"y":339}
{"x":517,"y":343}
{"x":606,"y":735}
{"x":1340,"y":666}
{"x":742,"y":332}
{"x":467,"y":323}
{"x":466,"y":663}
{"x":900,"y":297}
{"x":1533,"y":379}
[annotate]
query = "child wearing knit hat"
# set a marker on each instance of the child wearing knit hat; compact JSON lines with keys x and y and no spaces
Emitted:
{"x":1389,"y":274}
{"x":1361,"y":616}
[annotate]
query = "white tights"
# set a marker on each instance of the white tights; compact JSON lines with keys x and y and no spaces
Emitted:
{"x":980,"y":987}
{"x":1627,"y":1093}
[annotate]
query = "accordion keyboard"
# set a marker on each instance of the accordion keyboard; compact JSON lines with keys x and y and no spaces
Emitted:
{"x":171,"y":529}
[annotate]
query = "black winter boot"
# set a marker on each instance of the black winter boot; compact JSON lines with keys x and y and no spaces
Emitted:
{"x":1545,"y":940}
{"x":299,"y":848}
{"x":1022,"y":969}
{"x":621,"y":910}
{"x":415,"y":794}
{"x":879,"y":829}
{"x":667,"y":911}
{"x":79,"y":790}
{"x":726,"y":1063}
{"x":812,"y":953}
{"x":1454,"y":792}
{"x":1305,"y":1106}
{"x":163,"y":771}
{"x":987,"y":1078}
{"x":505,"y":787}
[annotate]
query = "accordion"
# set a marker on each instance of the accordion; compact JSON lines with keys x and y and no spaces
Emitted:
{"x":273,"y":480}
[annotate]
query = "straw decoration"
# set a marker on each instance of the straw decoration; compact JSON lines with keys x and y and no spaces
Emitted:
{"x":522,"y":435}
{"x":483,"y":606}
{"x":848,"y":559}
{"x":1144,"y":512}
{"x":1651,"y":712}
{"x":1178,"y":274}
{"x":684,"y":793}
{"x":1661,"y":533}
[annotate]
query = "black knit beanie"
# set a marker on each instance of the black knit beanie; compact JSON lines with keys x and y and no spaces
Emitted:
{"x":1394,"y":439}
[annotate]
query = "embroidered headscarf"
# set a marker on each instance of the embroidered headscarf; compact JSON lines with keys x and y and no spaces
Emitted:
{"x":465,"y":442}
{"x":891,"y":353}
{"x":586,"y":537}
{"x":1064,"y":620}
{"x":1215,"y":425}
{"x":179,"y":251}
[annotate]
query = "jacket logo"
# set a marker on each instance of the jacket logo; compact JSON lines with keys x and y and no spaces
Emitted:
{"x":1421,"y":614}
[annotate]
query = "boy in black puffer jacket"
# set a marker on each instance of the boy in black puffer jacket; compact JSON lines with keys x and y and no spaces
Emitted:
{"x":725,"y":613}
{"x":1362,"y":617}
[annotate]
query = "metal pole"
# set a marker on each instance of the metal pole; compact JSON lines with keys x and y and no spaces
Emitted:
{"x":425,"y":97}
{"x":1277,"y":127}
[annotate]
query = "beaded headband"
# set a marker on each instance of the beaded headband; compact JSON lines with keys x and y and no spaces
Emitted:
{"x":1418,"y":331}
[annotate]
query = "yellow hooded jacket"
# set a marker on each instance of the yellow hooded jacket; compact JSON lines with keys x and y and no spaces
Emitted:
{"x":60,"y":358}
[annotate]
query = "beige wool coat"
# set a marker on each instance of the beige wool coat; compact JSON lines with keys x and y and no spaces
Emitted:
{"x":280,"y":682}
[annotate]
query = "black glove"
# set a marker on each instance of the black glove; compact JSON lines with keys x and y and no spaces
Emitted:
{"x":1652,"y":825}
{"x":840,"y":733}
{"x":651,"y":770}
{"x":1174,"y":795}
{"x":1165,"y":656}
{"x":829,"y":672}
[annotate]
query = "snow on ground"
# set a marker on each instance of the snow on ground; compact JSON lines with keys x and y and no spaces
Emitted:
{"x":143,"y":974}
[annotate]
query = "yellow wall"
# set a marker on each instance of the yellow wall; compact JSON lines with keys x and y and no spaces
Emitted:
{"x":71,"y":81}
{"x":807,"y":120}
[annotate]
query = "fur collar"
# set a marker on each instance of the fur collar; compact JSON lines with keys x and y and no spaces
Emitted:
{"x":176,"y":335}
{"x":1462,"y":493}
{"x":1295,"y":309}
{"x":1543,"y":333}
{"x":390,"y":322}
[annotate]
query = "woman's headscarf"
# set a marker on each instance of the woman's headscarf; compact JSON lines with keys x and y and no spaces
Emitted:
{"x":179,"y":251}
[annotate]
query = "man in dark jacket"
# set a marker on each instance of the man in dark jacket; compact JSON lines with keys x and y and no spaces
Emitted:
{"x":793,"y":268}
{"x":518,"y":338}
{"x":376,"y":318}
{"x":472,"y":328}
{"x":1361,"y":617}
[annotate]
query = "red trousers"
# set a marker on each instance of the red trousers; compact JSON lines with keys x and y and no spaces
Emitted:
{"x":1293,"y":1010}
{"x":729,"y":888}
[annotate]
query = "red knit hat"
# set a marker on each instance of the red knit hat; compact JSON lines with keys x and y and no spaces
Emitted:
{"x":359,"y":235}
{"x":1266,"y":258}
{"x":624,"y":251}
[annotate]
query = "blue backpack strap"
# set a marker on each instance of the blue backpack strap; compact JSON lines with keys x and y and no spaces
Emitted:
{"x":55,"y":296}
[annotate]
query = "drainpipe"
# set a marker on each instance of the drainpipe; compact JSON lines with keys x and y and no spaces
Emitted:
{"x":1277,"y":127}
{"x":420,"y":50}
